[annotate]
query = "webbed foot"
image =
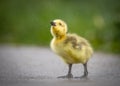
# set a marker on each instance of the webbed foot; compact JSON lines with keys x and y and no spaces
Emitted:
{"x":66,"y":76}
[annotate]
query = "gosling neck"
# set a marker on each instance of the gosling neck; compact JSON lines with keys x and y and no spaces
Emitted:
{"x":60,"y":37}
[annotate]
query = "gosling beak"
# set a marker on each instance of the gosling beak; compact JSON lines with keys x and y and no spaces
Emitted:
{"x":52,"y":23}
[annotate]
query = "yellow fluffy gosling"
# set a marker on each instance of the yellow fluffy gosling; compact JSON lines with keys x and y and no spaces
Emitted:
{"x":71,"y":48}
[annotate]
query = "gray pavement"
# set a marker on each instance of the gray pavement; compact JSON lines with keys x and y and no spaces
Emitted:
{"x":39,"y":66}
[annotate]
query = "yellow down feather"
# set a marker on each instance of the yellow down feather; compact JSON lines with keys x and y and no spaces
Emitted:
{"x":70,"y":47}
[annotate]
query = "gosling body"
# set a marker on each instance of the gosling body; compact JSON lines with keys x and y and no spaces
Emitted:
{"x":73,"y":49}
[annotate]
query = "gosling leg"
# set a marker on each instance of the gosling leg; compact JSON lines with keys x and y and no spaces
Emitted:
{"x":69,"y":75}
{"x":85,"y":71}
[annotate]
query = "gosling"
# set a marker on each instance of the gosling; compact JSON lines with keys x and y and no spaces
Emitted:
{"x":71,"y":48}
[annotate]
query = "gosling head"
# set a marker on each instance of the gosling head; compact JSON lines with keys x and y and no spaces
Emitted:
{"x":58,"y":28}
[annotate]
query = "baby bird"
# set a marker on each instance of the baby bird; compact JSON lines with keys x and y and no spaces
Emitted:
{"x":71,"y":48}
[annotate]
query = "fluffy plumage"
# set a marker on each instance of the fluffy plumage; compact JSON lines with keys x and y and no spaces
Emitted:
{"x":70,"y":47}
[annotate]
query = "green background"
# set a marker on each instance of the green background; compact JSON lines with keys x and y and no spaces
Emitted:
{"x":27,"y":22}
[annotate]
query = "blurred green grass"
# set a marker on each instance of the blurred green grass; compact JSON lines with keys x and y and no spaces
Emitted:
{"x":27,"y":21}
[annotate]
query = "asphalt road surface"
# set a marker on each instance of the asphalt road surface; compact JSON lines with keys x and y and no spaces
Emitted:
{"x":39,"y":66}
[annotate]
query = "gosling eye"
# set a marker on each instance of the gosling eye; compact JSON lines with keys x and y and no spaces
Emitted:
{"x":60,"y":24}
